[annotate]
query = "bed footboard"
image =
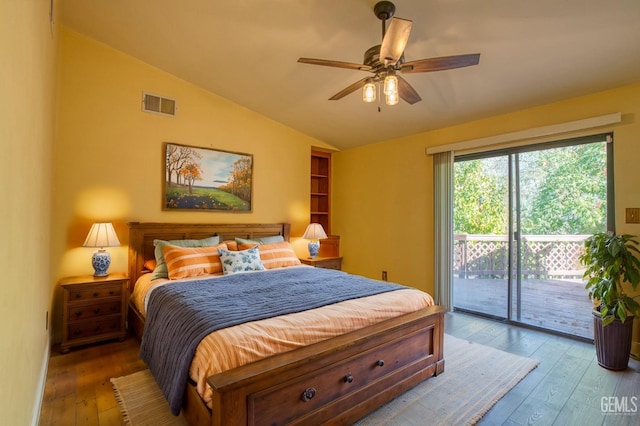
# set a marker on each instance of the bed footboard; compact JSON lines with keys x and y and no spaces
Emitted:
{"x":336,"y":381}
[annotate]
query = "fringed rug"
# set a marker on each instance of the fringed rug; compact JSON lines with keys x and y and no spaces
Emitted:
{"x":474,"y":379}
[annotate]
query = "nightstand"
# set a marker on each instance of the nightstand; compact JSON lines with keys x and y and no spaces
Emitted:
{"x":323,"y":262}
{"x":93,"y":309}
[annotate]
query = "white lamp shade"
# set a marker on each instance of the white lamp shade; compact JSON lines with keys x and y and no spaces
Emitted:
{"x":314,"y":231}
{"x":101,"y":235}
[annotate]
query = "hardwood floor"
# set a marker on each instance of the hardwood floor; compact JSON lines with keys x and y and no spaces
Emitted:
{"x":565,"y":389}
{"x":78,"y":390}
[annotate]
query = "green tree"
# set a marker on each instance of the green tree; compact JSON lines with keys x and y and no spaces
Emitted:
{"x":564,"y":190}
{"x":480,"y":203}
{"x":239,"y":181}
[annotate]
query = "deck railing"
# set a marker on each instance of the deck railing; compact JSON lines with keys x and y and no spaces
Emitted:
{"x":543,"y":256}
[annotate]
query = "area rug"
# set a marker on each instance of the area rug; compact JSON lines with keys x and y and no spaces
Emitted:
{"x":475,"y":378}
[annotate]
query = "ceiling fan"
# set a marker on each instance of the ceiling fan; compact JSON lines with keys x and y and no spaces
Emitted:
{"x":386,"y":60}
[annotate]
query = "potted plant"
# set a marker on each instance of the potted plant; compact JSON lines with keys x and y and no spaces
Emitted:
{"x":611,"y":262}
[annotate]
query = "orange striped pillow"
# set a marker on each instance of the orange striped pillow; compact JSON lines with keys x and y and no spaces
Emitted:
{"x":184,"y":262}
{"x":276,"y":255}
{"x":231,"y":245}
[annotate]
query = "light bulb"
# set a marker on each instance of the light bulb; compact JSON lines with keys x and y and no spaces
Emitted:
{"x":392,"y":98}
{"x":369,"y":92}
{"x":391,"y":85}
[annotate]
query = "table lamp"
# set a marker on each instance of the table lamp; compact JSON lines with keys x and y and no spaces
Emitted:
{"x":314,"y":233}
{"x":101,"y":235}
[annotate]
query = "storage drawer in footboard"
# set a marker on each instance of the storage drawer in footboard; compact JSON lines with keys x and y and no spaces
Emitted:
{"x":305,"y":399}
{"x":335,"y":381}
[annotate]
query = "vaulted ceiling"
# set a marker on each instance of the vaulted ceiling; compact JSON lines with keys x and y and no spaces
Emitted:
{"x":532,"y":53}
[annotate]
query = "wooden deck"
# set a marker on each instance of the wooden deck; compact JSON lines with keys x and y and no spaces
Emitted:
{"x":562,"y":306}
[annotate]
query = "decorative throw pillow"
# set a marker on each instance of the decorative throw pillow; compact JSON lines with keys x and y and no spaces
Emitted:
{"x":275,"y":255}
{"x":232,"y":245}
{"x":234,"y":262}
{"x":261,"y":240}
{"x":185,"y":262}
{"x":161,"y":267}
{"x":150,"y":265}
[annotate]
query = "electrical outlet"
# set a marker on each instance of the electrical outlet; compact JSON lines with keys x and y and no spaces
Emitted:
{"x":384,"y":275}
{"x":633,"y":215}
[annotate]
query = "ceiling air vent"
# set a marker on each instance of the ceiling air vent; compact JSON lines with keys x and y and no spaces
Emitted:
{"x":158,"y":104}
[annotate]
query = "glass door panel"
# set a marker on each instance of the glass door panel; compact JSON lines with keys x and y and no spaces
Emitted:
{"x":481,"y":205}
{"x":562,"y":199}
{"x":520,"y":221}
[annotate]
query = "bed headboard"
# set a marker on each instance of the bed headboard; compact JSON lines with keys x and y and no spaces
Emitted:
{"x":141,"y":236}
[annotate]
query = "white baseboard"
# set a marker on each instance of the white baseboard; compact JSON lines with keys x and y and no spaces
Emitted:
{"x":37,"y":406}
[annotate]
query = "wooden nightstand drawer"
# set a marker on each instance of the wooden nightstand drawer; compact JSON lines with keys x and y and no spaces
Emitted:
{"x":324,"y":262}
{"x":94,"y":309}
{"x":81,"y":312}
{"x":108,"y":290}
{"x":95,"y":328}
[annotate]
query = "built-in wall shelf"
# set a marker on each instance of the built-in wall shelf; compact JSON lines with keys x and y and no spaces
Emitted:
{"x":320,"y":194}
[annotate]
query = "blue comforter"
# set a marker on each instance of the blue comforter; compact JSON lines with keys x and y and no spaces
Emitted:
{"x":180,"y":315}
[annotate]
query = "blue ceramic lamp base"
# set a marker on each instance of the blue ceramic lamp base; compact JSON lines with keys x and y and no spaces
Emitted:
{"x":101,"y":261}
{"x":314,"y":248}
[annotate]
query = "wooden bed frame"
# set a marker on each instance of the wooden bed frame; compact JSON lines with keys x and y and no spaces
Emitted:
{"x":336,"y":381}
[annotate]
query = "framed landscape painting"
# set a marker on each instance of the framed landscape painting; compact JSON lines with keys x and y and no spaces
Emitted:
{"x":207,"y":179}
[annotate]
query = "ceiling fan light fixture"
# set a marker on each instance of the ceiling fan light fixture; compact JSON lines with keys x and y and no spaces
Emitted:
{"x":391,"y":85}
{"x":386,"y":59}
{"x":369,"y":91}
{"x":392,"y":99}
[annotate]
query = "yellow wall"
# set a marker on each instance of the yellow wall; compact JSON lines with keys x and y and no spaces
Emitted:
{"x":383,"y":204}
{"x":108,"y":157}
{"x":27,"y":85}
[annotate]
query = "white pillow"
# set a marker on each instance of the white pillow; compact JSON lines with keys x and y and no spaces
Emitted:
{"x":234,"y":262}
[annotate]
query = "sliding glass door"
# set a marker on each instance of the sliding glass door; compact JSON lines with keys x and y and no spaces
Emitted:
{"x":520,"y":220}
{"x":481,"y":236}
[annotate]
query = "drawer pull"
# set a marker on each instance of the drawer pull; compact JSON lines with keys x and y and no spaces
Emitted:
{"x":308,"y":394}
{"x":380,"y":363}
{"x":111,"y":292}
{"x":348,"y":378}
{"x":78,"y":295}
{"x":96,"y":294}
{"x":78,"y":314}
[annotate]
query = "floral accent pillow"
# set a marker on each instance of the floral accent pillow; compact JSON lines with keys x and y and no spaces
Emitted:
{"x":234,"y":262}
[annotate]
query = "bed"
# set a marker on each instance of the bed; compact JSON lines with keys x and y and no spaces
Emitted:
{"x":336,"y":380}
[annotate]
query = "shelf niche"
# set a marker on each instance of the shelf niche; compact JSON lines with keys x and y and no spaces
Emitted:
{"x":320,"y":194}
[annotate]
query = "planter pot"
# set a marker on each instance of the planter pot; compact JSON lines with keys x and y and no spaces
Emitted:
{"x":613,"y":342}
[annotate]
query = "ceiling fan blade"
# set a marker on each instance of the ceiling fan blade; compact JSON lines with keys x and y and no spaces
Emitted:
{"x":337,"y":64}
{"x":395,"y":40}
{"x":349,"y":89}
{"x":407,"y":92}
{"x":441,"y":63}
